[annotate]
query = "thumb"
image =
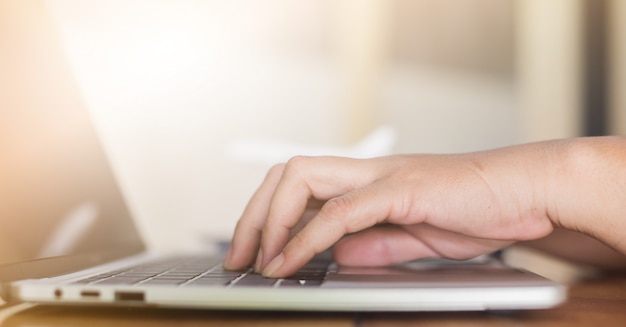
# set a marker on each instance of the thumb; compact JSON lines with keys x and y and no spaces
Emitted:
{"x":379,"y":246}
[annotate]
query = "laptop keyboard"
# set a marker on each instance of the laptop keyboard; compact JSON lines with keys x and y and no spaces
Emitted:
{"x":205,"y":272}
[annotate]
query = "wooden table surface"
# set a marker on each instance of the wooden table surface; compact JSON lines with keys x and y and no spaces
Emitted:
{"x":600,"y":302}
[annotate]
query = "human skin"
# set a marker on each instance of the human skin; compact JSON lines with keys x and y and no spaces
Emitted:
{"x":399,"y":208}
{"x":579,"y":249}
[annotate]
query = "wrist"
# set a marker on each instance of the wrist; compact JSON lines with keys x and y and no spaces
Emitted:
{"x":586,"y":187}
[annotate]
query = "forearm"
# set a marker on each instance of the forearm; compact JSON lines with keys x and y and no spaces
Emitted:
{"x":579,"y":248}
{"x":586,"y":188}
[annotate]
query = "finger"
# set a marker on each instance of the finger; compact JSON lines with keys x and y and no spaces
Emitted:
{"x":453,"y":245}
{"x":246,"y":239}
{"x":349,"y":213}
{"x":381,"y":246}
{"x":304,"y":178}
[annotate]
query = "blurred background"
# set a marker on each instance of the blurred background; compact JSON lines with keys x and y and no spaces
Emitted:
{"x":175,"y":86}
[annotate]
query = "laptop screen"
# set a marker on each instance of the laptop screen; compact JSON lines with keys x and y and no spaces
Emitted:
{"x":60,"y":207}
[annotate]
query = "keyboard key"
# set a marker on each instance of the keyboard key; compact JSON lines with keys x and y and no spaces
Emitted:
{"x":163,"y":282}
{"x":209,"y":282}
{"x":120,"y":280}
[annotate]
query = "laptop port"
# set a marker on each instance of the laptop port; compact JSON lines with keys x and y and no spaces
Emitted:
{"x":90,"y":294}
{"x":129,"y":296}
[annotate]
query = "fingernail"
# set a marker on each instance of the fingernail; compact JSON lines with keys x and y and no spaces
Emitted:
{"x":274,"y":265}
{"x":257,"y":263}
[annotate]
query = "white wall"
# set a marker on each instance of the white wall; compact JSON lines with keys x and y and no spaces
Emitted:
{"x":618,"y":67}
{"x":549,"y":68}
{"x":170,"y":83}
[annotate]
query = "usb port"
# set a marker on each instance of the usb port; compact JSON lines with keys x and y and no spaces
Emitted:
{"x":90,"y":293}
{"x":129,"y":296}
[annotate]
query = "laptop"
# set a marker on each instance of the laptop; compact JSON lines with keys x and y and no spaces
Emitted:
{"x":68,"y":237}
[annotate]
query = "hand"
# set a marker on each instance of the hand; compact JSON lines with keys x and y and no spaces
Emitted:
{"x":393,"y":209}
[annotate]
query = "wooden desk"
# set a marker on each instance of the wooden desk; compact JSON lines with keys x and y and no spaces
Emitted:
{"x":598,"y":302}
